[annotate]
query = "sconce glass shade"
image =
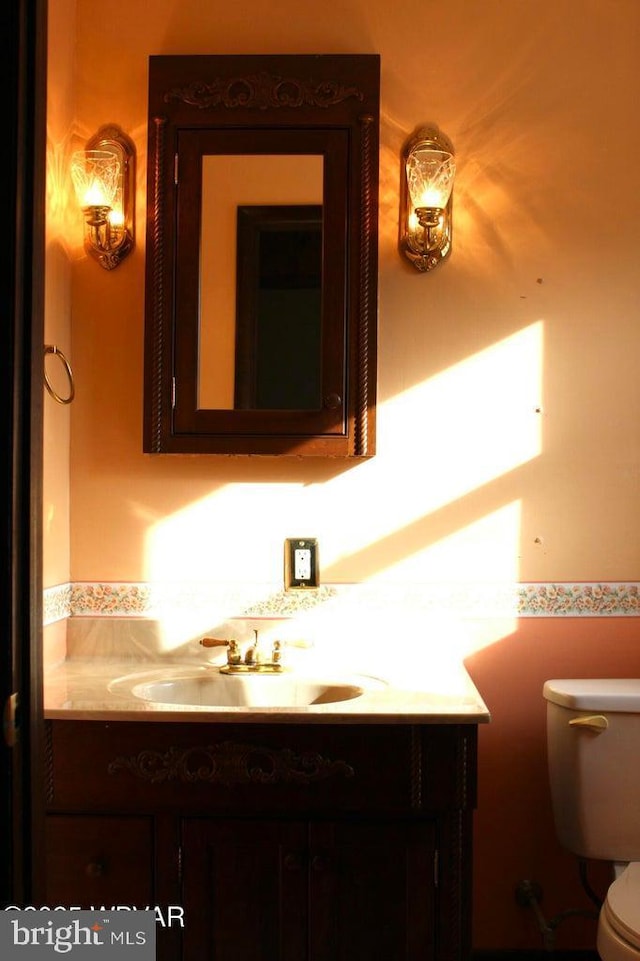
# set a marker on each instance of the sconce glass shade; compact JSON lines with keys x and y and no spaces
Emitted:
{"x":427,"y":176}
{"x":430,"y":175}
{"x":103,"y":176}
{"x":95,"y":175}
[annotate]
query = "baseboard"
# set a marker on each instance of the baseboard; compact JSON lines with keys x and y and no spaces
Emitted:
{"x":534,"y":955}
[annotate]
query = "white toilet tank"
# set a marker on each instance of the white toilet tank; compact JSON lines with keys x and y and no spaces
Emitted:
{"x":593,"y":743}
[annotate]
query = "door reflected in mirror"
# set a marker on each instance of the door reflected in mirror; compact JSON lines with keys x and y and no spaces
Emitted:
{"x":260,"y":330}
{"x":279,"y":308}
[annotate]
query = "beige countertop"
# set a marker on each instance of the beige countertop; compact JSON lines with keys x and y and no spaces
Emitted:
{"x":100,"y":689}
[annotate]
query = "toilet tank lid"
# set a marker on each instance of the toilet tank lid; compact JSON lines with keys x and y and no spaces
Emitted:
{"x":595,"y":693}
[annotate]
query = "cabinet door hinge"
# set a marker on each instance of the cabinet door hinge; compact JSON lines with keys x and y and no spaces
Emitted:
{"x":175,"y":169}
{"x":10,"y":720}
{"x":180,"y":865}
{"x":173,"y":393}
{"x":436,"y":868}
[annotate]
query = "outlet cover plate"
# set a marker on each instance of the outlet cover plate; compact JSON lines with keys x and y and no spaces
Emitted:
{"x":301,"y":567}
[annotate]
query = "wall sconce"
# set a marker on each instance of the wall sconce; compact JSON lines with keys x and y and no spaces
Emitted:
{"x":103,"y":175}
{"x":427,"y":174}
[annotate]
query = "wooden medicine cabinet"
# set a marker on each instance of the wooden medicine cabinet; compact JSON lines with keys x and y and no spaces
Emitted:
{"x":261,"y":279}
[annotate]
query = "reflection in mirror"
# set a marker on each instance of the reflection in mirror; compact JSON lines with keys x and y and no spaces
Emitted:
{"x":279,"y":308}
{"x":229,"y":358}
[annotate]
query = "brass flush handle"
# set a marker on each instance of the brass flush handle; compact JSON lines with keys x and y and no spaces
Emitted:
{"x":593,"y":722}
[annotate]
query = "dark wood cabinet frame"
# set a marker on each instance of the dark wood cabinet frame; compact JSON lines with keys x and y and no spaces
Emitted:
{"x":321,"y":105}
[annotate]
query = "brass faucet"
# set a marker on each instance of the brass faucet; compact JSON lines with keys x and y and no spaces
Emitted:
{"x":254,"y":661}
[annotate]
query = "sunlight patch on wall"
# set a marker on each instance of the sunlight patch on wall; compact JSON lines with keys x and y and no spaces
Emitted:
{"x":233,"y":535}
{"x":467,"y":425}
{"x":486,"y":550}
{"x":483,"y":552}
{"x":441,"y":441}
{"x":416,"y":637}
{"x":424,"y":509}
{"x":225,"y":536}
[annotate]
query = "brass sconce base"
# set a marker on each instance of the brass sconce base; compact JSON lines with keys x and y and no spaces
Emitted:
{"x":110,"y":258}
{"x":422,"y":256}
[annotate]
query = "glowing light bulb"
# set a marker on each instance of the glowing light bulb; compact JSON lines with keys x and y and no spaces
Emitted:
{"x":430,"y":175}
{"x":95,"y":175}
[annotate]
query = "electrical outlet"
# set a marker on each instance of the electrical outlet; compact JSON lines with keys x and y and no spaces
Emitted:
{"x":302,"y":564}
{"x":301,"y":568}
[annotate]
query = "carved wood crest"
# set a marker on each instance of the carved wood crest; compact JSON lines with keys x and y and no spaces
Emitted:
{"x":230,"y":763}
{"x":263,"y":91}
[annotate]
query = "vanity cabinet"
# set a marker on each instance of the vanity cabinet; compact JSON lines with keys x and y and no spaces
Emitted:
{"x":282,"y":841}
{"x":320,"y":890}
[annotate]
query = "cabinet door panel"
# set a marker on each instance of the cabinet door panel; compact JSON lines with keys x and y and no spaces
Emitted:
{"x":372,"y":892}
{"x":244,"y":890}
{"x":99,"y":860}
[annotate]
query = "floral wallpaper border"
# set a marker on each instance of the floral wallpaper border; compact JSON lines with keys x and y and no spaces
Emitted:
{"x":583,"y":599}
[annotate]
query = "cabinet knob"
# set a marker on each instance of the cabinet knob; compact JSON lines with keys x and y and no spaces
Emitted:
{"x":293,"y":861}
{"x":95,"y":869}
{"x":333,"y":401}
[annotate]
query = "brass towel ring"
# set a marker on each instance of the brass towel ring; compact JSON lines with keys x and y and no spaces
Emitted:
{"x":52,"y":349}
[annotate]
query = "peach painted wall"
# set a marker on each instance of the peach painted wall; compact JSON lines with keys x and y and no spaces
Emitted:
{"x":536,"y":310}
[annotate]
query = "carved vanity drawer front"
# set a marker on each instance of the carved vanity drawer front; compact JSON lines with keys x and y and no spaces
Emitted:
{"x":232,"y":767}
{"x":95,"y":860}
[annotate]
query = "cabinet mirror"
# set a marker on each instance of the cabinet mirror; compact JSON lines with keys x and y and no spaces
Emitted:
{"x":261,"y":278}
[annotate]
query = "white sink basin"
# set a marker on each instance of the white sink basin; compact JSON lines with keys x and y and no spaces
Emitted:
{"x":204,"y":688}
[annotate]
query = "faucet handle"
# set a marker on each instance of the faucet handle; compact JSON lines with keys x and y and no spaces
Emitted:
{"x":278,"y":647}
{"x":214,"y":642}
{"x":233,"y":650}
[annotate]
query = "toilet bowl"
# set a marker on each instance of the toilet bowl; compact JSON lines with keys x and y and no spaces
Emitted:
{"x":593,"y":741}
{"x":619,"y":921}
